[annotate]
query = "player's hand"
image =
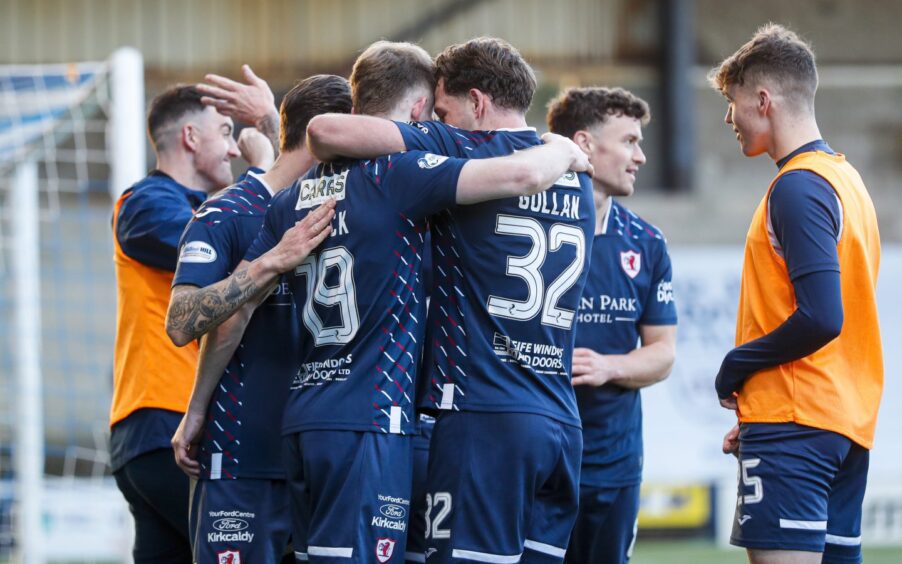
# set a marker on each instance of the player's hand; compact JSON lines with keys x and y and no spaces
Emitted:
{"x":250,"y":103}
{"x":731,"y":441}
{"x":185,"y":440}
{"x":580,"y":160}
{"x":255,"y":148}
{"x":729,"y":403}
{"x":301,"y":239}
{"x":591,"y":368}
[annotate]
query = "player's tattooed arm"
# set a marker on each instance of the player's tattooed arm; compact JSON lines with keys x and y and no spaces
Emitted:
{"x":195,"y":311}
{"x":330,"y":136}
{"x":251,"y":102}
{"x":521,"y":174}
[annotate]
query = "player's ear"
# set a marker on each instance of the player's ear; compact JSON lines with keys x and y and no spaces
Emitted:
{"x":584,"y":140}
{"x":416,"y":111}
{"x":478,"y":101}
{"x":764,"y":101}
{"x":190,"y":136}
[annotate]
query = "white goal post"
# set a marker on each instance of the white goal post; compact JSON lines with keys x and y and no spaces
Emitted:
{"x":65,"y":129}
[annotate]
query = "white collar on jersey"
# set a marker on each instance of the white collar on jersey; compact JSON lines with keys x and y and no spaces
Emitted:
{"x":515,"y":129}
{"x":607,"y":216}
{"x":259,"y":178}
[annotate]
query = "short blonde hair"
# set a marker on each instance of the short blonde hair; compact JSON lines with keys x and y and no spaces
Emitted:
{"x":385,"y":72}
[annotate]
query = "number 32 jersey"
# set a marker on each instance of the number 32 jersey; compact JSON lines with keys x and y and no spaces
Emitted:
{"x":507,"y":277}
{"x":360,"y":294}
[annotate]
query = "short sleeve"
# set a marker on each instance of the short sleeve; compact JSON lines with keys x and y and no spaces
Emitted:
{"x":150,"y":224}
{"x":274,"y":225}
{"x":660,"y":308}
{"x":205,"y":253}
{"x":806,"y":218}
{"x":422,"y":183}
{"x":434,"y":137}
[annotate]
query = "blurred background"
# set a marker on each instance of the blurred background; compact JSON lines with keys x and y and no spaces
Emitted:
{"x":61,"y":101}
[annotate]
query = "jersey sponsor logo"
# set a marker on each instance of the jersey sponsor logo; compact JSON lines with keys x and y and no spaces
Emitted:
{"x":421,"y":126}
{"x":197,"y":251}
{"x":665,"y":292}
{"x":319,"y":372}
{"x":552,"y":203}
{"x":315,"y":191}
{"x":385,"y":547}
{"x":743,"y":519}
{"x":394,"y":524}
{"x":541,"y":357}
{"x":393,"y":511}
{"x":569,"y":179}
{"x":429,"y":160}
{"x":393,"y":499}
{"x":609,"y":307}
{"x":228,"y":557}
{"x":234,"y":514}
{"x":243,"y":536}
{"x":230,"y":525}
{"x":631,"y":261}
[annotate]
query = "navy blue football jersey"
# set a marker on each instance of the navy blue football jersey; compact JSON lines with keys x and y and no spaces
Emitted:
{"x":360,"y":294}
{"x":246,"y":407}
{"x":507,"y":277}
{"x":629,"y":285}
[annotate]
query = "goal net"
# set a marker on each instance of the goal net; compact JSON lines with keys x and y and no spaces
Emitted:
{"x":71,"y":137}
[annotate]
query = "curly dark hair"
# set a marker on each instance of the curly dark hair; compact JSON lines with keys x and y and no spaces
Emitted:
{"x":577,"y":109}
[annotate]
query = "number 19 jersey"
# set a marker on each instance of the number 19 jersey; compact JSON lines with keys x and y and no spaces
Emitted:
{"x":507,"y":277}
{"x":359,"y":294}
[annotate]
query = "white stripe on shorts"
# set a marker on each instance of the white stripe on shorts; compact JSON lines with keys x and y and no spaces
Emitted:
{"x":545,"y":548}
{"x":843,"y":541}
{"x":806,"y":525}
{"x":334,"y":551}
{"x":302,"y":556}
{"x":414,"y":557}
{"x":485,"y":556}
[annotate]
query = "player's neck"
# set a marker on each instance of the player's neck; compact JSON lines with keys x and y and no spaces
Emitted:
{"x":602,"y":205}
{"x":288,"y":167}
{"x":791,"y":134}
{"x":180,"y":168}
{"x":502,"y":119}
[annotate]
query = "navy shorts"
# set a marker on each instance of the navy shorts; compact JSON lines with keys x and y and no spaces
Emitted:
{"x":416,"y":533}
{"x":502,"y":487}
{"x":605,"y":529}
{"x":800,"y":488}
{"x":239,"y":521}
{"x":350,"y":495}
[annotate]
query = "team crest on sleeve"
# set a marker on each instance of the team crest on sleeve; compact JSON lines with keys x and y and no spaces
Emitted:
{"x":569,"y":179}
{"x":385,"y":547}
{"x":197,"y":251}
{"x":631,"y":261}
{"x":431,"y":161}
{"x":228,"y":557}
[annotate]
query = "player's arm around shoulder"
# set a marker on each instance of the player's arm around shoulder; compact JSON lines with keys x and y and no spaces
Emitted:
{"x":521,"y":174}
{"x":330,"y":136}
